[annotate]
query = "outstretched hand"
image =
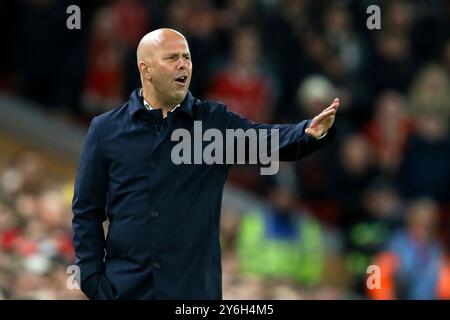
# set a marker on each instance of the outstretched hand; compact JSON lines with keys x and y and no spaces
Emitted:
{"x":321,"y":123}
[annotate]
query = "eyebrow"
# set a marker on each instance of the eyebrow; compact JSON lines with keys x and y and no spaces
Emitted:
{"x":172,"y":54}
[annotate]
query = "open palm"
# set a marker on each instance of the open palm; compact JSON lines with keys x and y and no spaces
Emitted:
{"x":321,"y":123}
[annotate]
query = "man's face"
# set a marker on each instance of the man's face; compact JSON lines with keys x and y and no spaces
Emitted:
{"x":171,"y":70}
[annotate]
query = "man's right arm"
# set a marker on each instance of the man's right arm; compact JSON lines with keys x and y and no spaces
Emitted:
{"x":89,"y":212}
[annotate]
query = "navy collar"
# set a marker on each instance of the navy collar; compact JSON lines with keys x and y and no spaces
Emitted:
{"x":136,"y":103}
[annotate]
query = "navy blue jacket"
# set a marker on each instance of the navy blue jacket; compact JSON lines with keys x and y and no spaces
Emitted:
{"x":164,"y":219}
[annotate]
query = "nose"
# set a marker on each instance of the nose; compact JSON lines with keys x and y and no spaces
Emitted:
{"x":182,"y":63}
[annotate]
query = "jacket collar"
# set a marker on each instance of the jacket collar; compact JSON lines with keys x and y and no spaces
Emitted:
{"x":136,"y":103}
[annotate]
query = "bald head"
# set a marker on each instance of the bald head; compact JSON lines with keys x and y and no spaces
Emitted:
{"x":155,"y":39}
{"x":164,"y":62}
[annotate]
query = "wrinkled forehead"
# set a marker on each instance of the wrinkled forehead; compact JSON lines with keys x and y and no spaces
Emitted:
{"x":172,"y":45}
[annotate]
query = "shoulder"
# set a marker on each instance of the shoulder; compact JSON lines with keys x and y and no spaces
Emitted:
{"x":208,"y":107}
{"x":111,"y":118}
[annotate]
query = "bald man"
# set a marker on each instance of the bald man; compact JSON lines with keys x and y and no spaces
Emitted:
{"x":163,"y":239}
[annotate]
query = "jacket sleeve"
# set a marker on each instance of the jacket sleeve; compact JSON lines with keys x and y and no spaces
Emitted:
{"x":89,"y":212}
{"x":293,"y":144}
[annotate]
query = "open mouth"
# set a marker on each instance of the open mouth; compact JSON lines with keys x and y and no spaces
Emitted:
{"x":181,"y":80}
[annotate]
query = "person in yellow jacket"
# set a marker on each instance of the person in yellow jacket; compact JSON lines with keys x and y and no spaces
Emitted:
{"x":280,"y":242}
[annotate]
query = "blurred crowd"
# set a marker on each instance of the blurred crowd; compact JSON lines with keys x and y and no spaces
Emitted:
{"x":379,"y":195}
{"x":35,"y":230}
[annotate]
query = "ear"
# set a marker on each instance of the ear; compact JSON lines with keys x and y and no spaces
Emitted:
{"x":145,"y":70}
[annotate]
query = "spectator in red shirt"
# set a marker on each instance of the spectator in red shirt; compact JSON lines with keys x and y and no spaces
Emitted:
{"x":242,"y":85}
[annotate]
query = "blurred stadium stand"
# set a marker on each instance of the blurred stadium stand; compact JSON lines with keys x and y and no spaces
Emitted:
{"x":21,"y":127}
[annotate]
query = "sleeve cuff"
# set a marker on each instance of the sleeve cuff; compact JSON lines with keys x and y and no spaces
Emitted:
{"x":322,"y":136}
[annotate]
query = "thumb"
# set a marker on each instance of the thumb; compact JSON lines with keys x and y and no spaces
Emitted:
{"x":309,"y":131}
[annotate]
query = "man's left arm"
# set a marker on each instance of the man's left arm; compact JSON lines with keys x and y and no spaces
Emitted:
{"x":295,"y":140}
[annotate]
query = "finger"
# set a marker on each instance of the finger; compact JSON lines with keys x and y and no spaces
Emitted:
{"x":325,"y":114}
{"x":311,"y":132}
{"x":335,"y":104}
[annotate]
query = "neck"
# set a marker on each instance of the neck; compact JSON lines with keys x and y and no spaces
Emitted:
{"x":152,"y":98}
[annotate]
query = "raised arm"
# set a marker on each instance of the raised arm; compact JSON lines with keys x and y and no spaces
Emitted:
{"x":295,"y":140}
